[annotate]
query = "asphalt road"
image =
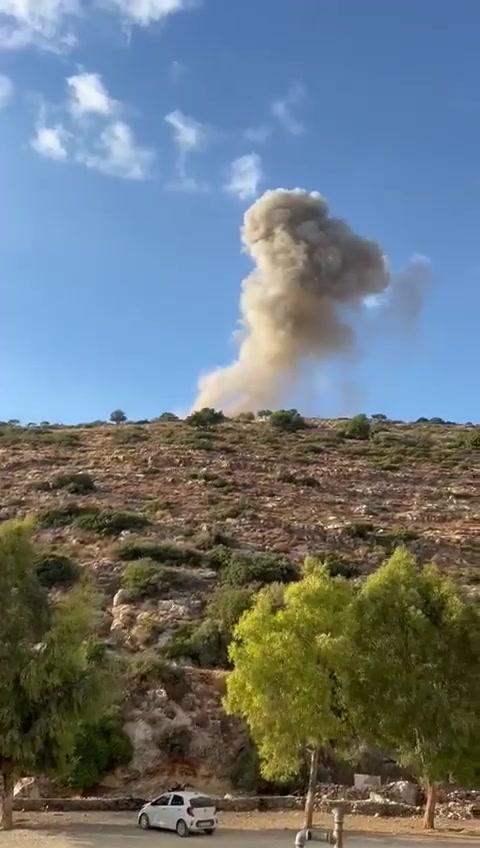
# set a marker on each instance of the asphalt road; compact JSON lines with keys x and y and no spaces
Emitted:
{"x":112,"y":835}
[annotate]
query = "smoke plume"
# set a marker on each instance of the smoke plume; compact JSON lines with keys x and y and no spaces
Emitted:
{"x":311,"y":274}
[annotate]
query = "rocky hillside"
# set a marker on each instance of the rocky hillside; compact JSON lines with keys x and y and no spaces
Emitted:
{"x":178,"y":525}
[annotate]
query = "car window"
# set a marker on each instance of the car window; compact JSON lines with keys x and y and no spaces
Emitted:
{"x":177,"y":801}
{"x":201,"y":801}
{"x":162,"y":801}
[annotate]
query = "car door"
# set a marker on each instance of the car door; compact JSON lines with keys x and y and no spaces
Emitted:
{"x":177,"y":805}
{"x":159,"y":810}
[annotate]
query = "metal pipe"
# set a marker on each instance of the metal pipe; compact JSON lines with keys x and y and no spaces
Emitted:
{"x":338,"y":820}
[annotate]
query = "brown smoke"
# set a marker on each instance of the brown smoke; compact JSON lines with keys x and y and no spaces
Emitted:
{"x":311,"y":272}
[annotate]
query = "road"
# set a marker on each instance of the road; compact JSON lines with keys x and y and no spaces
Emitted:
{"x":67,"y":833}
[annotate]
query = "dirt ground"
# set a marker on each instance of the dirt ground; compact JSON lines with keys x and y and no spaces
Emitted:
{"x":118,"y":830}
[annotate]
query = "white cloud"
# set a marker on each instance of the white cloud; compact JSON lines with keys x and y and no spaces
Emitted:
{"x":145,"y":12}
{"x":282,"y":109}
{"x":245,"y":176}
{"x":51,"y":142}
{"x":41,"y":23}
{"x":88,"y":95}
{"x":117,"y":154}
{"x":6,"y":91}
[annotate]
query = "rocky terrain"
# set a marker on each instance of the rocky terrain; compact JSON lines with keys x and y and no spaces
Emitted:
{"x":177,"y":526}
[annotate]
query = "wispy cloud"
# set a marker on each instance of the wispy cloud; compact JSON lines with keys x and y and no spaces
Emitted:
{"x":145,"y":12}
{"x":40,"y":23}
{"x":245,"y":176}
{"x":189,"y":135}
{"x":282,"y":109}
{"x":117,"y":154}
{"x":88,"y":95}
{"x":258,"y":134}
{"x":6,"y":90}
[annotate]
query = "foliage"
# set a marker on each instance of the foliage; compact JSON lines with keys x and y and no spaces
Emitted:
{"x":413,"y":681}
{"x":287,"y":419}
{"x":264,"y":413}
{"x":52,"y":675}
{"x":129,"y":435}
{"x":168,"y":416}
{"x":336,"y":565}
{"x":358,"y":427}
{"x":76,"y":483}
{"x":283,"y":682}
{"x":206,"y":417}
{"x":55,"y":570}
{"x":118,"y":416}
{"x":165,"y":552}
{"x":379,"y":416}
{"x":243,"y":570}
{"x":245,"y":417}
{"x":147,"y":579}
{"x":109,"y":522}
{"x":63,"y":516}
{"x":99,"y":747}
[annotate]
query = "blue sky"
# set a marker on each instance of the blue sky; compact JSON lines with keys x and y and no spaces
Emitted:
{"x":134,"y":133}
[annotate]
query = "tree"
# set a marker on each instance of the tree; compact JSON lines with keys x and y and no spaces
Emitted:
{"x":206,"y":417}
{"x":284,"y":682}
{"x":358,"y":427}
{"x":287,"y":419}
{"x":413,"y":684}
{"x":118,"y":416}
{"x":52,"y":675}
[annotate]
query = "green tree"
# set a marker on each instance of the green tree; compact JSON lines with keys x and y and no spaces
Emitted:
{"x":118,"y":416}
{"x":358,"y":427}
{"x":413,"y":684}
{"x":206,"y":417}
{"x":287,"y":419}
{"x":100,"y":746}
{"x":284,"y":681}
{"x":52,"y":675}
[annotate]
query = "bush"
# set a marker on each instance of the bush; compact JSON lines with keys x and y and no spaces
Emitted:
{"x":167,"y":416}
{"x":391,"y":539}
{"x":245,"y":417}
{"x":243,"y":571}
{"x":287,"y":419}
{"x":55,"y":570}
{"x":75,"y":483}
{"x":99,"y":748}
{"x":358,"y":427}
{"x":147,"y":579}
{"x":166,"y":553}
{"x":109,"y":522}
{"x":129,"y":435}
{"x":379,"y":416}
{"x":206,"y":417}
{"x":227,"y":604}
{"x":338,"y":567}
{"x":63,"y":516}
{"x":146,"y":669}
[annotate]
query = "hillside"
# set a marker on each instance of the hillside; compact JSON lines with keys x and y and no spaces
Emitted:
{"x":177,"y":526}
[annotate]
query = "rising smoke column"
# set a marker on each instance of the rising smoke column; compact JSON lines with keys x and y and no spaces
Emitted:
{"x":310,"y":270}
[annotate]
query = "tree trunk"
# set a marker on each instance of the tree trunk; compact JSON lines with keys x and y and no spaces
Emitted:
{"x":429,"y":817}
{"x":312,"y":783}
{"x":7,"y":796}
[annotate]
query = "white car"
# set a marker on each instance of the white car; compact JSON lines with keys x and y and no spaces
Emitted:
{"x":184,"y":812}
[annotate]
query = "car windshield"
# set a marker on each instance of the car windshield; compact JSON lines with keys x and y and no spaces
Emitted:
{"x":201,"y":801}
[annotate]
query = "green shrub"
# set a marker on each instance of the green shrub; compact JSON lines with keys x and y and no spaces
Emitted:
{"x":167,"y":553}
{"x":63,"y":516}
{"x":146,"y":669}
{"x":147,"y":579}
{"x":206,"y":417}
{"x":264,"y":413}
{"x":473,"y":439}
{"x":361,"y":529}
{"x":109,"y":522}
{"x":391,"y":539}
{"x":76,"y":483}
{"x":99,"y":748}
{"x":243,"y":571}
{"x":245,"y":417}
{"x":129,"y":435}
{"x":358,"y":427}
{"x":55,"y":570}
{"x":337,"y":566}
{"x":379,"y":416}
{"x":227,"y":604}
{"x":167,"y":416}
{"x":287,"y":419}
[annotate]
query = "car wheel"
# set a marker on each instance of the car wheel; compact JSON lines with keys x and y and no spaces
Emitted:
{"x":182,"y":828}
{"x":209,"y":831}
{"x":144,"y":822}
